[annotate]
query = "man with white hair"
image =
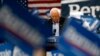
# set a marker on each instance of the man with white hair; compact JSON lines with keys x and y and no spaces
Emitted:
{"x":56,"y":21}
{"x":55,"y":25}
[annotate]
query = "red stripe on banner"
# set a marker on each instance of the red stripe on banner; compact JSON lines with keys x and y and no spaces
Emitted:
{"x":44,"y":0}
{"x":44,"y":7}
{"x":20,"y":38}
{"x":37,"y":2}
{"x":76,"y":46}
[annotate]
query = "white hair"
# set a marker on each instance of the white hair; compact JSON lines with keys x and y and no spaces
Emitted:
{"x":59,"y":11}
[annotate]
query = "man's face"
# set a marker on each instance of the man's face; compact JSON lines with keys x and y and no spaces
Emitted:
{"x":55,"y":15}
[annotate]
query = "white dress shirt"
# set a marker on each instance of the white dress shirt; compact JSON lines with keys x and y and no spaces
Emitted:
{"x":56,"y":28}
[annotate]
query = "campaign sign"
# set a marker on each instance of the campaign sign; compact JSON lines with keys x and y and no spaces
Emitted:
{"x":83,"y":41}
{"x":18,"y":52}
{"x":22,"y":29}
{"x":19,"y":21}
{"x":88,"y":7}
{"x":90,"y":22}
{"x":54,"y":53}
{"x":12,"y":46}
{"x":68,"y":49}
{"x":6,"y":49}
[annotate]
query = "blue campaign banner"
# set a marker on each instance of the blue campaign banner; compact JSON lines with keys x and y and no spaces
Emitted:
{"x":88,"y":7}
{"x":23,"y":14}
{"x":90,"y":22}
{"x":13,"y":40}
{"x":54,"y":53}
{"x":67,"y":49}
{"x":76,"y":36}
{"x":6,"y":49}
{"x":20,"y":27}
{"x":12,"y":46}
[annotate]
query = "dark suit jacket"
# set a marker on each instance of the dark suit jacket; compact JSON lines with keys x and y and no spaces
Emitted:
{"x":49,"y":24}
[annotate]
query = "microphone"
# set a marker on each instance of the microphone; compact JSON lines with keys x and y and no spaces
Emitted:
{"x":54,"y":32}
